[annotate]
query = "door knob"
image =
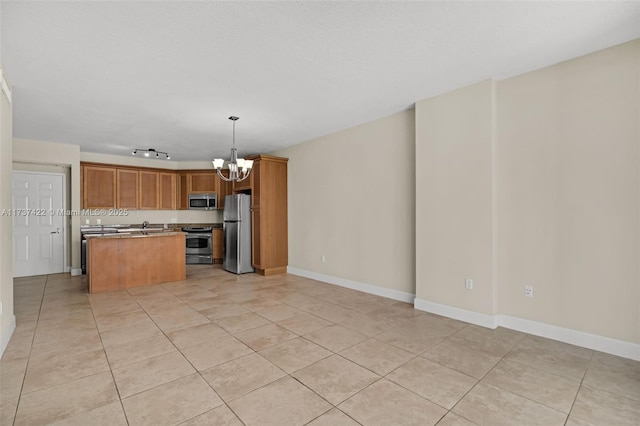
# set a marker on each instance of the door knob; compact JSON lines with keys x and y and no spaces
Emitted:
{"x":57,"y":231}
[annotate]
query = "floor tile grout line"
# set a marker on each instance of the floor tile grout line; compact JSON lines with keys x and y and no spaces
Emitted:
{"x":26,"y":368}
{"x":482,"y":378}
{"x":115,"y":384}
{"x":456,"y":333}
{"x":194,"y":367}
{"x":575,"y":398}
{"x":503,"y":358}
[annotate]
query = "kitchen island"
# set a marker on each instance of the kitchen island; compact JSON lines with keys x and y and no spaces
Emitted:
{"x":121,"y":261}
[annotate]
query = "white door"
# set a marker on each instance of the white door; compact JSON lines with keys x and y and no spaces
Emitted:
{"x":38,"y":224}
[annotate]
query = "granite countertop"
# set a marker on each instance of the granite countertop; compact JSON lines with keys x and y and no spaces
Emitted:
{"x":155,"y":226}
{"x":136,"y":234}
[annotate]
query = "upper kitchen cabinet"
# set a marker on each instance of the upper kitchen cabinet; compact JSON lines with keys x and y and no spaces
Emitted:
{"x":98,"y":187}
{"x":224,"y":188}
{"x":182,"y":190}
{"x":127,"y":183}
{"x":149,"y":198}
{"x":167,"y":191}
{"x":269,"y":214}
{"x":246,"y":185}
{"x":125,"y":187}
{"x":203,"y":182}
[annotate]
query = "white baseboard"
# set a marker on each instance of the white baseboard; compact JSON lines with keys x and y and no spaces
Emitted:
{"x":75,"y":272}
{"x":566,"y":335}
{"x":6,"y":335}
{"x":476,"y":318}
{"x":354,"y":285}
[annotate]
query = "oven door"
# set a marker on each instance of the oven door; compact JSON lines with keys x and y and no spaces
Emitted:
{"x":199,"y":244}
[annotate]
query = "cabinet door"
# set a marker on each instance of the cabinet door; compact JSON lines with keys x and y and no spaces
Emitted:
{"x":99,"y":187}
{"x":182,"y":191}
{"x":256,"y":240}
{"x":127,"y":189}
{"x":167,"y":191}
{"x":217,"y":245}
{"x":246,"y":185}
{"x":203,"y":182}
{"x":224,"y":188}
{"x":149,"y":190}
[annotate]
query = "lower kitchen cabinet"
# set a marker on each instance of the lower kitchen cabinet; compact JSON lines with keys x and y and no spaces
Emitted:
{"x":218,"y":239}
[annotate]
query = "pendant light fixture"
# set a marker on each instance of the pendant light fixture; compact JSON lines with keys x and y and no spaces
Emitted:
{"x":239,"y":168}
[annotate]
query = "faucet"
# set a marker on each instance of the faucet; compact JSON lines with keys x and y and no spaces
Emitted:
{"x":145,"y":224}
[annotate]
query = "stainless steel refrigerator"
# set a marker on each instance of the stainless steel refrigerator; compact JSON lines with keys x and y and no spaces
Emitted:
{"x":237,"y":234}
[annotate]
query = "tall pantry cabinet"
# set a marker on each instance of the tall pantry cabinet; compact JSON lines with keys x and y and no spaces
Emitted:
{"x":267,"y":185}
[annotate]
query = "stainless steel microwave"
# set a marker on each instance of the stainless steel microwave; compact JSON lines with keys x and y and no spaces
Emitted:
{"x":203,"y":201}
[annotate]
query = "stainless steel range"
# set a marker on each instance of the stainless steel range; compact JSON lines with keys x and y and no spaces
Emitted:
{"x":199,"y":245}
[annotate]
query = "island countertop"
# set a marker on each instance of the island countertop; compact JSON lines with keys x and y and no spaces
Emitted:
{"x":121,"y":261}
{"x":134,"y":234}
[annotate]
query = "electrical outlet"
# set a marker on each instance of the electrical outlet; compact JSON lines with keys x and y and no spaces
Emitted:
{"x":528,"y":291}
{"x":99,"y":221}
{"x":468,"y":283}
{"x":324,"y":259}
{"x":0,"y":308}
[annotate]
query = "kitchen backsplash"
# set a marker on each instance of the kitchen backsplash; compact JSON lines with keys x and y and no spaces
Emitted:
{"x":114,"y":217}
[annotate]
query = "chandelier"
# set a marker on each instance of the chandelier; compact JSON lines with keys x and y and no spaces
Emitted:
{"x":239,"y":168}
{"x":149,"y":152}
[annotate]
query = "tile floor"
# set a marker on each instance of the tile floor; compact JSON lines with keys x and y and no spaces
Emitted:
{"x":220,"y":349}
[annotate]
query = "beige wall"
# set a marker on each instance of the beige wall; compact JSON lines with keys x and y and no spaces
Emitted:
{"x":569,"y":188}
{"x":454,"y":198}
{"x":6,"y":223}
{"x":552,"y":202}
{"x":351,"y":199}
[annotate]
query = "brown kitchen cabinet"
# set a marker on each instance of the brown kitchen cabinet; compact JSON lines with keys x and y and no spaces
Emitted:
{"x":269,"y":214}
{"x":182,"y":191}
{"x":203,"y":182}
{"x":149,"y":197}
{"x":246,"y":185}
{"x":217,"y":245}
{"x":127,"y":186}
{"x":98,"y":187}
{"x":167,"y":191}
{"x":224,"y":188}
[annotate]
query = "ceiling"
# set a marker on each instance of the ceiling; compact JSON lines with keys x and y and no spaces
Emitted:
{"x":113,"y":76}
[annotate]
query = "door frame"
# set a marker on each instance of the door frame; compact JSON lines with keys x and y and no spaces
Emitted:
{"x":65,"y":243}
